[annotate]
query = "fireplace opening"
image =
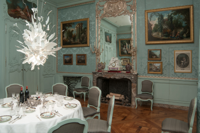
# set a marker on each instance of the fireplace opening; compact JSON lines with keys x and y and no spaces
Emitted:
{"x":121,"y":88}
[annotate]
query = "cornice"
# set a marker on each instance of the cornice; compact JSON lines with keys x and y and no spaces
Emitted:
{"x":67,"y":3}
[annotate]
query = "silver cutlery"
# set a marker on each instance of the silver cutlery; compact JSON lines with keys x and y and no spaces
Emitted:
{"x":17,"y":119}
{"x":38,"y":117}
{"x":14,"y":119}
{"x":58,"y":113}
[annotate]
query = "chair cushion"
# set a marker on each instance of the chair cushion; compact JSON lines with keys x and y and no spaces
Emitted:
{"x":72,"y":127}
{"x":174,"y":125}
{"x":89,"y":111}
{"x":60,"y":89}
{"x":96,"y":125}
{"x":94,"y":97}
{"x":13,"y":89}
{"x":81,"y":89}
{"x":85,"y":81}
{"x":147,"y":86}
{"x":144,"y":96}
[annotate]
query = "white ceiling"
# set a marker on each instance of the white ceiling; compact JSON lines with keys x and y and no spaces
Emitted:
{"x":118,"y":21}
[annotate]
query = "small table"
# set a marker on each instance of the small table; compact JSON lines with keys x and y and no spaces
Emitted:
{"x":31,"y":124}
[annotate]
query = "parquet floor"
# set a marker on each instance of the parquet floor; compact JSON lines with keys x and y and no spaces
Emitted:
{"x":142,"y":119}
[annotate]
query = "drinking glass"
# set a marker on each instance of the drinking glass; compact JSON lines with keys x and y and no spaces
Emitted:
{"x":24,"y":109}
{"x":40,"y":94}
{"x":17,"y":108}
{"x":17,"y":95}
{"x":13,"y":96}
{"x":37,"y":93}
{"x":12,"y":112}
{"x":1,"y":101}
{"x":58,"y":104}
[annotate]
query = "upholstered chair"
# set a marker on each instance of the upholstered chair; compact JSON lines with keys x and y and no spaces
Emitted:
{"x":13,"y":88}
{"x":70,"y":126}
{"x":94,"y":100}
{"x":147,"y":93}
{"x":85,"y":83}
{"x":60,"y":88}
{"x":102,"y":126}
{"x":178,"y":126}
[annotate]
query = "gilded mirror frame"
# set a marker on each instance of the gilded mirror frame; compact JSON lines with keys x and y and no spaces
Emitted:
{"x":114,"y":8}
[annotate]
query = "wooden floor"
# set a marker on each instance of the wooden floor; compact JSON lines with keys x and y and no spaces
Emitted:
{"x":140,"y":120}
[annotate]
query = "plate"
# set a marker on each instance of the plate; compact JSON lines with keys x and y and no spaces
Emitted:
{"x":49,"y":95}
{"x":50,"y":102}
{"x":6,"y":105}
{"x":71,"y":105}
{"x":68,"y":98}
{"x":5,"y":118}
{"x":47,"y":115}
{"x":30,"y":109}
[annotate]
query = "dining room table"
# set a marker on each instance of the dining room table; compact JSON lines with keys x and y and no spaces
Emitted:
{"x":34,"y":121}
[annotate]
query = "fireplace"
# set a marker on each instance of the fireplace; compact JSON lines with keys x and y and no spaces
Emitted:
{"x":124,"y":84}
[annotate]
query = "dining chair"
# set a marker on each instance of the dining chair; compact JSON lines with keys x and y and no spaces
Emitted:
{"x":147,"y":93}
{"x":60,"y":88}
{"x":74,"y":125}
{"x":94,"y":100}
{"x":13,"y":88}
{"x":85,"y":83}
{"x":178,"y":126}
{"x":99,"y":126}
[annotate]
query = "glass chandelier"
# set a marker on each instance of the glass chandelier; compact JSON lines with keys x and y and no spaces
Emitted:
{"x":37,"y":45}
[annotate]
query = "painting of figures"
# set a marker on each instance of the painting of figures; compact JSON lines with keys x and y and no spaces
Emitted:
{"x":20,"y":9}
{"x":155,"y":67}
{"x":154,"y":54}
{"x":68,"y":59}
{"x":124,"y":44}
{"x":108,"y":37}
{"x":81,"y":59}
{"x":169,"y":25}
{"x":75,"y":33}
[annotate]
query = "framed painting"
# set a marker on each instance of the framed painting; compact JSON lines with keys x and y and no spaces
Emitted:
{"x":123,"y":44}
{"x":154,"y":67}
{"x":81,"y":59}
{"x":68,"y":59}
{"x":75,"y":33}
{"x":169,"y":25}
{"x":108,"y":37}
{"x":125,"y":61}
{"x":20,"y":9}
{"x":183,"y":61}
{"x":154,"y":54}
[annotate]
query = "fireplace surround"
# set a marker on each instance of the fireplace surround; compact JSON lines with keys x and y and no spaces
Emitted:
{"x":113,"y":82}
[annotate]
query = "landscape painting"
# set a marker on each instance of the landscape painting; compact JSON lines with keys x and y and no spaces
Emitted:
{"x":68,"y":59}
{"x":155,"y":67}
{"x":81,"y":59}
{"x":124,"y":44}
{"x":20,"y":9}
{"x":108,"y":37}
{"x":154,"y":54}
{"x":75,"y":33}
{"x":169,"y":25}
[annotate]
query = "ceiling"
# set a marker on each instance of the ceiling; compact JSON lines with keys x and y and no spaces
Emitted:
{"x":63,"y":3}
{"x":118,"y":21}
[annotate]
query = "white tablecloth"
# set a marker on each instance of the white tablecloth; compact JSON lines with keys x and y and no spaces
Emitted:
{"x":31,"y":124}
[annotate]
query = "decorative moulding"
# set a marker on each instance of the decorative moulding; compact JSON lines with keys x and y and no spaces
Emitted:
{"x":163,"y":77}
{"x":68,"y":4}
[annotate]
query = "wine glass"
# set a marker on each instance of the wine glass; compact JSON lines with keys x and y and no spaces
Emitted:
{"x":37,"y":93}
{"x":17,"y":108}
{"x":13,"y":96}
{"x":17,"y":95}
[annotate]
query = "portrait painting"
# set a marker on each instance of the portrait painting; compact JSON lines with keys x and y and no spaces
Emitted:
{"x":108,"y":37}
{"x":81,"y":59}
{"x":169,"y":25}
{"x":68,"y":59}
{"x":124,"y":44}
{"x":75,"y":33}
{"x":20,"y":9}
{"x":183,"y":61}
{"x":154,"y":67}
{"x":125,"y":61}
{"x":154,"y":54}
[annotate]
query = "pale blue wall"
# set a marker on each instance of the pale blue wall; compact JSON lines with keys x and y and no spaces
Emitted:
{"x":73,"y":13}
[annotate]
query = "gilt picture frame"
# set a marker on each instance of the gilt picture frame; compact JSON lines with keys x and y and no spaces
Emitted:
{"x":169,"y":25}
{"x":125,"y":61}
{"x":123,"y":43}
{"x":81,"y":59}
{"x":154,"y":67}
{"x":108,"y":37}
{"x":183,"y":61}
{"x":75,"y":33}
{"x":154,"y":54}
{"x":68,"y":59}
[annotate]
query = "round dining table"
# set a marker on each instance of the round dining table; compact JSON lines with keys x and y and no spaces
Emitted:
{"x":30,"y":123}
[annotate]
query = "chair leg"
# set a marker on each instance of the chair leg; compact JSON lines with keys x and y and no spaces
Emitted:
{"x":151,"y":104}
{"x":99,"y":116}
{"x":136,"y":103}
{"x":84,"y":96}
{"x":74,"y":94}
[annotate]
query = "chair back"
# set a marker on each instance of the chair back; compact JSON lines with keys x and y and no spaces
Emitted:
{"x":13,"y":88}
{"x":94,"y":97}
{"x":70,"y":126}
{"x":191,"y":112}
{"x":60,"y":88}
{"x":110,"y":111}
{"x":147,"y":86}
{"x":85,"y":81}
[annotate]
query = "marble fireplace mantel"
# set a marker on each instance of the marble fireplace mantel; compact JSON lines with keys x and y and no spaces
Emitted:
{"x":111,"y":75}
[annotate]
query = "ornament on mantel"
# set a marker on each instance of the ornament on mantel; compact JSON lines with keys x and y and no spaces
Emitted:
{"x":37,"y":45}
